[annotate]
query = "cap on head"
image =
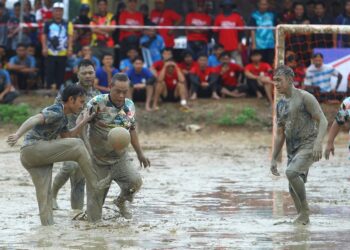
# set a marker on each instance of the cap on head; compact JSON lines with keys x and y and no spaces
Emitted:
{"x":58,"y":5}
{"x":84,"y":7}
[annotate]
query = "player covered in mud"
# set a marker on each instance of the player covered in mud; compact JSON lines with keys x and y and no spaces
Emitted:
{"x":302,"y":124}
{"x":342,"y":118}
{"x":70,"y":169}
{"x":113,"y":110}
{"x":41,"y":148}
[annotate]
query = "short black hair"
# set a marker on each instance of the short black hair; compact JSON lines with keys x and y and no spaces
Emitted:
{"x":168,"y":49}
{"x":2,"y":6}
{"x":202,"y":55}
{"x":255,"y":53}
{"x":318,"y":54}
{"x":121,"y":77}
{"x":73,"y":90}
{"x":22,"y":45}
{"x":320,"y":3}
{"x":187,"y":53}
{"x":99,"y":1}
{"x":17,"y":4}
{"x":107,"y":54}
{"x":223,"y":54}
{"x":138,"y":58}
{"x":85,"y":63}
{"x":218,"y":46}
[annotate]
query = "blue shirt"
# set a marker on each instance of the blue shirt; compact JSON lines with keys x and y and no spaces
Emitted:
{"x":94,"y":60}
{"x":213,"y":61}
{"x":125,"y":64}
{"x":5,"y":79}
{"x":264,"y":38}
{"x":152,"y":49}
{"x":343,"y":39}
{"x":137,"y":78}
{"x":29,"y":61}
{"x":102,"y":77}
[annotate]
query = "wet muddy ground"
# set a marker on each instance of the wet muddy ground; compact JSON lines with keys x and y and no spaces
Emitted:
{"x":203,"y":191}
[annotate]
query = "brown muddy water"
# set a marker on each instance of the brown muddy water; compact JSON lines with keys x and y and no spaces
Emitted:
{"x":202,"y":191}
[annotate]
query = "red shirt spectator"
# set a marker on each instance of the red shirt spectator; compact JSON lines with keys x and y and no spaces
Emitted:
{"x":229,"y":37}
{"x":260,"y":69}
{"x":171,"y":80}
{"x":203,"y":74}
{"x":197,"y":19}
{"x":229,"y":73}
{"x":165,"y":18}
{"x":158,"y":66}
{"x":100,"y":39}
{"x":130,"y":18}
{"x":187,"y":67}
{"x":299,"y":76}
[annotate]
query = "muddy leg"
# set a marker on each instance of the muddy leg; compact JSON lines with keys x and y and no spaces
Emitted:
{"x":77,"y":182}
{"x":42,"y":177}
{"x":60,"y":179}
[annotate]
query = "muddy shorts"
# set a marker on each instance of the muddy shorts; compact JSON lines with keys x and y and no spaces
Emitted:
{"x":300,"y":163}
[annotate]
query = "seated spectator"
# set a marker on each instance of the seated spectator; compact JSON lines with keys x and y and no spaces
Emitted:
{"x":197,"y":40}
{"x":23,"y":68}
{"x":213,"y":60}
{"x":321,"y":18}
{"x":299,"y":71}
{"x":31,"y":50}
{"x":318,"y":79}
{"x":3,"y":56}
{"x":86,"y":53}
{"x":141,"y":83}
{"x":7,"y":92}
{"x":170,"y":85}
{"x":104,"y":74}
{"x":126,"y":63}
{"x":229,"y":77}
{"x":82,"y":36}
{"x":188,"y":63}
{"x":203,"y":80}
{"x":258,"y":75}
{"x":167,"y":54}
{"x":152,"y":46}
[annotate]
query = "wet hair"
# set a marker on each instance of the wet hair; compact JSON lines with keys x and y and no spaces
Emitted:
{"x":86,"y":63}
{"x":317,"y":55}
{"x":23,"y":45}
{"x":120,"y":77}
{"x":286,"y":71}
{"x":73,"y":90}
{"x":223,"y":54}
{"x":138,"y":58}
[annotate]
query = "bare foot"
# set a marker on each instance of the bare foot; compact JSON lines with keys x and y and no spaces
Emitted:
{"x":148,"y":109}
{"x":215,"y":96}
{"x":155,"y":108}
{"x":194,"y":96}
{"x":302,"y":219}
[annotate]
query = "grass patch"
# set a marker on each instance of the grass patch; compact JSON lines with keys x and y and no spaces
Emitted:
{"x":247,"y":114}
{"x":15,"y":114}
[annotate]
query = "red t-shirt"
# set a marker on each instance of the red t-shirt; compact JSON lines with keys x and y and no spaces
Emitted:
{"x":130,"y":18}
{"x":158,"y":65}
{"x":165,"y":18}
{"x":184,"y":66}
{"x":97,"y":19}
{"x":229,"y":78}
{"x":227,"y":37}
{"x":263,"y":68}
{"x":299,"y":75}
{"x":171,"y":80}
{"x":197,"y":19}
{"x":202,"y":74}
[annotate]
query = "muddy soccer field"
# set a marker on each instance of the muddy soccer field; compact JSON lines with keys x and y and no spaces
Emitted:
{"x":202,"y":191}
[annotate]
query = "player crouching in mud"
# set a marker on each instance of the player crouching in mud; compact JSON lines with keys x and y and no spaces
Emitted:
{"x":302,"y":124}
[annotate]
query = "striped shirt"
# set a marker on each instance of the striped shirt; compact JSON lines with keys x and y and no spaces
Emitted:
{"x":320,"y":77}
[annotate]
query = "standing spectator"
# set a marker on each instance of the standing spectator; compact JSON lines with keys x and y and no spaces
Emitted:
{"x":14,"y":29}
{"x":230,"y":38}
{"x":258,"y":75}
{"x":321,"y":40}
{"x":86,"y":54}
{"x":44,"y":14}
{"x":141,"y":83}
{"x":170,"y":85}
{"x":7,"y":92}
{"x":120,"y":8}
{"x":318,"y":79}
{"x":165,"y":17}
{"x":264,"y":39}
{"x":230,"y":73}
{"x":130,"y":37}
{"x":57,"y":45}
{"x":287,"y":12}
{"x":310,"y":9}
{"x":126,"y":63}
{"x":203,"y":80}
{"x":144,"y":9}
{"x":197,"y":40}
{"x":29,"y":17}
{"x":152,"y":46}
{"x":213,"y":60}
{"x":343,"y":40}
{"x":23,"y":68}
{"x":104,"y":74}
{"x":8,"y":13}
{"x":102,"y":40}
{"x":82,"y":36}
{"x":3,"y":25}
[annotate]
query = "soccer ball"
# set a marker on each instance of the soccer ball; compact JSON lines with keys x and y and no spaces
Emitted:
{"x":119,"y":138}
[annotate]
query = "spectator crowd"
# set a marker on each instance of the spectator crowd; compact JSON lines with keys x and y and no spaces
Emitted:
{"x":216,"y":63}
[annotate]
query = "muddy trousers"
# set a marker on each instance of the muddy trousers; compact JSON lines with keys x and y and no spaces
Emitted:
{"x":39,"y":158}
{"x":124,"y":174}
{"x":70,"y":170}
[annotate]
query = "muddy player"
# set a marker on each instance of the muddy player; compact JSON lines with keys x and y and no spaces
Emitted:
{"x":342,"y":118}
{"x":70,"y":169}
{"x":302,"y":124}
{"x":113,"y":110}
{"x":41,"y":148}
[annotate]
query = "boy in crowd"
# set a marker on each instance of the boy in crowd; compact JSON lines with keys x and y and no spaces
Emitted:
{"x":167,"y":54}
{"x":7,"y":92}
{"x":126,"y":63}
{"x":229,"y":77}
{"x":104,"y":74}
{"x":86,"y":53}
{"x":213,"y":60}
{"x":141,"y":82}
{"x":258,"y":75}
{"x":203,"y":80}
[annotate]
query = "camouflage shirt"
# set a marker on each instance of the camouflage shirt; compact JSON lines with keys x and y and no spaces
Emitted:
{"x":55,"y":123}
{"x":108,"y":116}
{"x":343,"y":114}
